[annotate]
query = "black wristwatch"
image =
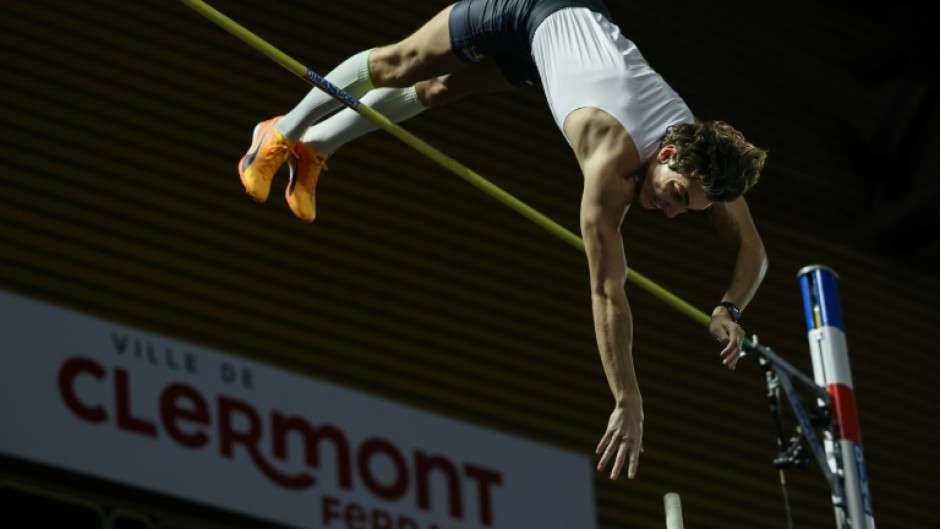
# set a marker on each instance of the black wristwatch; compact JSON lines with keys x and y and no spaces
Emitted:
{"x":733,"y":310}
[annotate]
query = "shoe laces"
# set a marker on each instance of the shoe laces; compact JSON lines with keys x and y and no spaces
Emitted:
{"x":277,"y":150}
{"x":316,"y":160}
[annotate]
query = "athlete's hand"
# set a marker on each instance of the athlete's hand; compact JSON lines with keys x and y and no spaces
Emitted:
{"x":623,"y":441}
{"x":729,"y":334}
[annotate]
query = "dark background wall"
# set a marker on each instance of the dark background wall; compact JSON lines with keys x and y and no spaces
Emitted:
{"x":123,"y":122}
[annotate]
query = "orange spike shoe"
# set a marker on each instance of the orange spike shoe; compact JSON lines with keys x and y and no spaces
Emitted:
{"x":268,"y":152}
{"x":305,"y":168}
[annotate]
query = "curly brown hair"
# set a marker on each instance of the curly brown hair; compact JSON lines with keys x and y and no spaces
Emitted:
{"x":717,"y":155}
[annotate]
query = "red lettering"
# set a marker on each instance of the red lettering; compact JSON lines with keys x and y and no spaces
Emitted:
{"x":187,"y":416}
{"x":67,"y":375}
{"x":173,"y":411}
{"x":228,"y":438}
{"x":424,"y":464}
{"x":122,"y":402}
{"x":485,"y":479}
{"x":330,"y":510}
{"x":282,"y":426}
{"x":399,"y":485}
{"x":355,"y":516}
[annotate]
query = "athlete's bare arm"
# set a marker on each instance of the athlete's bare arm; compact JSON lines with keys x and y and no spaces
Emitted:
{"x":736,"y":229}
{"x":608,"y":158}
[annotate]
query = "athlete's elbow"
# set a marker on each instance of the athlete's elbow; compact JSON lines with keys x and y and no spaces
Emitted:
{"x":763,"y":263}
{"x":608,"y":291}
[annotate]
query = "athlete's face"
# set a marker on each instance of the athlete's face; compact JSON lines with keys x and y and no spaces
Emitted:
{"x":668,"y":191}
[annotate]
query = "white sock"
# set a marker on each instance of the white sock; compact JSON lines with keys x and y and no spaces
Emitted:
{"x":352,"y":75}
{"x":397,"y":104}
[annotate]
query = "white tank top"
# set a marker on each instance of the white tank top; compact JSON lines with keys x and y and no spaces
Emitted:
{"x":584,"y":61}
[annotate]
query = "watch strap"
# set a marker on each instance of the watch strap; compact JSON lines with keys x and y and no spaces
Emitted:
{"x":733,"y":310}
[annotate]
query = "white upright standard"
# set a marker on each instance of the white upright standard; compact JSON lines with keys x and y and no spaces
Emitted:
{"x":830,"y":355}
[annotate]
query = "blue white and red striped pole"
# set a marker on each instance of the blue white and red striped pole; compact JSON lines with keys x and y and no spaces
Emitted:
{"x":830,"y":356}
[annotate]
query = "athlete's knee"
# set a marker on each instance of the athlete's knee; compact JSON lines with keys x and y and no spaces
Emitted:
{"x":394,"y":66}
{"x":433,"y":92}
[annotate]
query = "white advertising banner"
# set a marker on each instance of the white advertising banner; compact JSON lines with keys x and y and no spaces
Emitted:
{"x":113,"y":402}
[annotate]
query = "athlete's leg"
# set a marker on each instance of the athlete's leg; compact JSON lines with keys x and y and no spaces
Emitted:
{"x":352,"y":76}
{"x":399,"y":104}
{"x":424,"y":54}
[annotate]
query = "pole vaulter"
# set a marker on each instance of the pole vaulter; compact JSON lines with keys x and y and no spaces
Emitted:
{"x":839,"y":458}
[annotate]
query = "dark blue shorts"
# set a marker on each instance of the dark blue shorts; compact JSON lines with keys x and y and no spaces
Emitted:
{"x":502,"y":30}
